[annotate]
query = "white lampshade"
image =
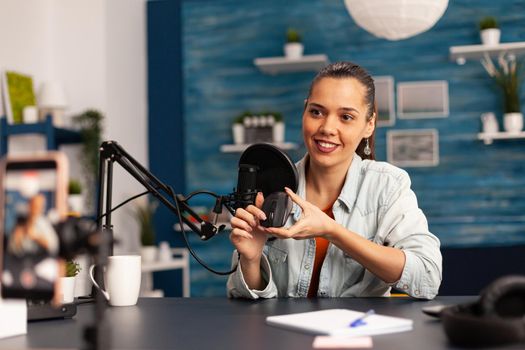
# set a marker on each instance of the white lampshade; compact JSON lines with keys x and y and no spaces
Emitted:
{"x":396,"y":19}
{"x":52,"y":95}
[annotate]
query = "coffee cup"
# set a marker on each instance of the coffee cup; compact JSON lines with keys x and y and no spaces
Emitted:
{"x":121,"y":278}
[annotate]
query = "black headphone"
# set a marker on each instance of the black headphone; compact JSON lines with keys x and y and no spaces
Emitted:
{"x":498,"y":317}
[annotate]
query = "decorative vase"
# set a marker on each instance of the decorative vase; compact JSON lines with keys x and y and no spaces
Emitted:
{"x":513,"y":122}
{"x":165,"y":253}
{"x":293,"y":51}
{"x":82,"y":281}
{"x":490,"y":123}
{"x":490,"y":37}
{"x":278,"y":132}
{"x":148,"y":253}
{"x":238,"y":133}
{"x":67,"y":289}
{"x":76,"y":203}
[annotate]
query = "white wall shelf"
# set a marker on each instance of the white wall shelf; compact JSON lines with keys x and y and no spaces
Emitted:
{"x":488,"y":138}
{"x":180,"y":260}
{"x":285,"y":146}
{"x":275,"y":65}
{"x":462,"y":53}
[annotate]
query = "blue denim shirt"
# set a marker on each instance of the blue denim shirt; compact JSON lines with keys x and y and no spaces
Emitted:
{"x":377,"y":203}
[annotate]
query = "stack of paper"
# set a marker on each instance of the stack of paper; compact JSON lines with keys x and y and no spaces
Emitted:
{"x":337,"y":322}
{"x":13,"y":317}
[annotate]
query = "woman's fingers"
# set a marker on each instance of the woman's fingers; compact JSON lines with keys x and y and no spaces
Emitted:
{"x":256,"y":212}
{"x":289,"y":232}
{"x":238,"y":223}
{"x":245,"y":215}
{"x":259,"y":199}
{"x":238,"y":233}
{"x":301,"y":202}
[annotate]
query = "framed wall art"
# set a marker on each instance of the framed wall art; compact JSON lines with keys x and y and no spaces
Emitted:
{"x":385,"y":100}
{"x":413,"y":148}
{"x":422,"y":99}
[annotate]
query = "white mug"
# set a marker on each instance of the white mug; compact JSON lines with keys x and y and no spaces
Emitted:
{"x":122,"y":280}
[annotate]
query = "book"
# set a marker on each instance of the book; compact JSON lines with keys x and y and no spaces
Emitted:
{"x":18,"y":93}
{"x":337,"y":322}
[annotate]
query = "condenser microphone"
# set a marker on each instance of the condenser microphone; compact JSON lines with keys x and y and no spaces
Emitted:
{"x":246,"y":185}
{"x":265,"y":168}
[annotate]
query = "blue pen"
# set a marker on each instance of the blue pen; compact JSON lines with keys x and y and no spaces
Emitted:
{"x":361,"y":320}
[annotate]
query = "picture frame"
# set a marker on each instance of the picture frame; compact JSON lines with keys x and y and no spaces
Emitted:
{"x":18,"y":93}
{"x":422,"y":99}
{"x":384,"y":86}
{"x":413,"y":148}
{"x":2,"y":109}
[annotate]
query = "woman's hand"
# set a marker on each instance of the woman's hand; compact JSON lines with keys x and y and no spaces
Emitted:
{"x":313,"y":222}
{"x":247,"y":235}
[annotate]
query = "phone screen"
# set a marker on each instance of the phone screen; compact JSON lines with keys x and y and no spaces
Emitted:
{"x":30,"y":243}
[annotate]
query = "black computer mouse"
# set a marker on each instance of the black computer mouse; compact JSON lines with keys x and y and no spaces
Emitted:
{"x":277,"y":207}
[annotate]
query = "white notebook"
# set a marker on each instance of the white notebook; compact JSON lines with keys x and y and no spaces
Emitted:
{"x":337,"y":322}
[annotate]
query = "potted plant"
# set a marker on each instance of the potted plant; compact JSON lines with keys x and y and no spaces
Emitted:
{"x":75,"y":198}
{"x":489,"y":31}
{"x":91,"y":128}
{"x":508,"y":75}
{"x":238,"y":128}
{"x":278,"y":130}
{"x":293,"y":49}
{"x":67,"y":283}
{"x":144,"y":216}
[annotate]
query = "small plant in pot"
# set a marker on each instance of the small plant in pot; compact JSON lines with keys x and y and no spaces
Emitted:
{"x":144,"y":215}
{"x":238,"y":128}
{"x":508,"y":75}
{"x":489,"y":31}
{"x":67,"y":283}
{"x":294,"y":48}
{"x":278,"y":127}
{"x":75,"y":198}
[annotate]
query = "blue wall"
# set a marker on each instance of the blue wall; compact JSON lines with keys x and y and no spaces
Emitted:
{"x":475,"y":197}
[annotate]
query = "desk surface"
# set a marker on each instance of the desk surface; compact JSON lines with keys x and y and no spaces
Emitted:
{"x":221,"y":323}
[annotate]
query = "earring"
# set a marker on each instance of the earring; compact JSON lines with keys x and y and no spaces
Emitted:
{"x":367,"y":149}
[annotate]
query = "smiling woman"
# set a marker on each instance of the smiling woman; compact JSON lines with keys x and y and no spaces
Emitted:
{"x":357,"y":229}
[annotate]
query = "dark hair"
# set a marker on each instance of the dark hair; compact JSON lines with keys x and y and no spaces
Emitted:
{"x":342,"y":70}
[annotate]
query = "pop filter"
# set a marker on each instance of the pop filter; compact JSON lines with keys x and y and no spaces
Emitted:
{"x":265,"y":168}
{"x":275,"y":169}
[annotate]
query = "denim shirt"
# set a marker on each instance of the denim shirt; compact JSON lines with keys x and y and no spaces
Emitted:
{"x":377,"y":203}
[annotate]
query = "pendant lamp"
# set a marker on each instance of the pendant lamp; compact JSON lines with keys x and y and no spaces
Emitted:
{"x":396,"y":19}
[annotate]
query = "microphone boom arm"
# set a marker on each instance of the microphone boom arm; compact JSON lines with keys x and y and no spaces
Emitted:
{"x":111,"y":151}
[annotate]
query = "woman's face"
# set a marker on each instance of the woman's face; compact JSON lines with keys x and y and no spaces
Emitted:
{"x":334,"y":121}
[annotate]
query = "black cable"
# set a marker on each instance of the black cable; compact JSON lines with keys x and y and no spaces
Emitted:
{"x":188,"y":197}
{"x":186,"y":241}
{"x":121,"y":204}
{"x":188,"y":245}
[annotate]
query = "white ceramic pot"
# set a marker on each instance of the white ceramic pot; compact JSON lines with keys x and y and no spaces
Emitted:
{"x":67,"y":289}
{"x":278,"y":132}
{"x":293,"y":50}
{"x":76,"y":203}
{"x":490,"y":37}
{"x":165,"y":251}
{"x":30,"y":114}
{"x":238,"y":133}
{"x":490,"y":123}
{"x":513,"y":122}
{"x":82,"y":281}
{"x":148,"y":253}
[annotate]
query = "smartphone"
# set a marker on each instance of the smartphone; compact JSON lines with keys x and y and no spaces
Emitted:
{"x":33,"y":198}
